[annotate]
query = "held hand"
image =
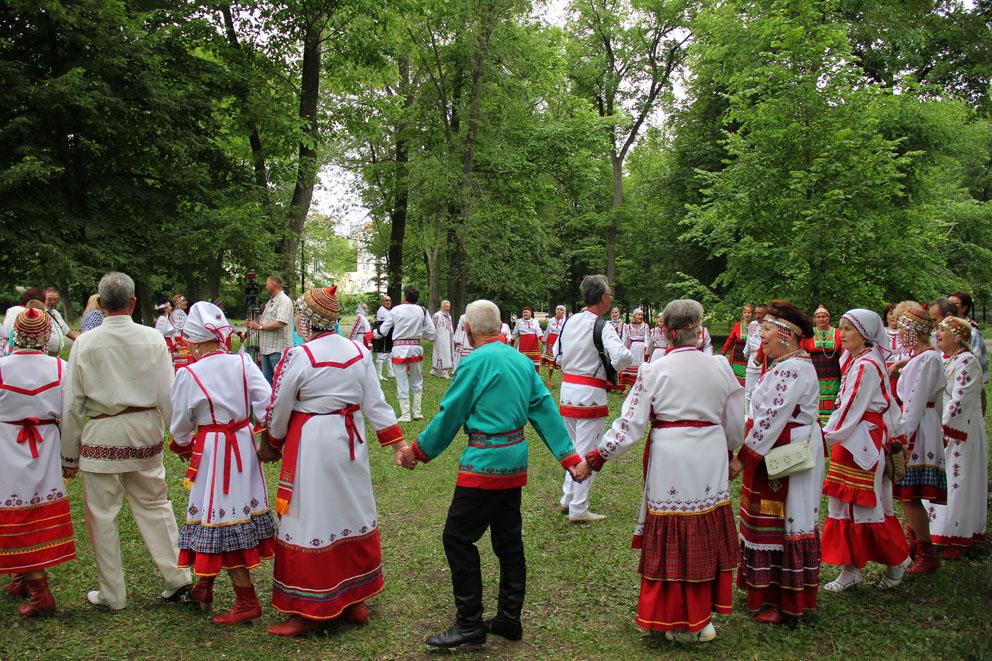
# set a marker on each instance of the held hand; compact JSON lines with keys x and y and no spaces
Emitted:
{"x":405,"y":457}
{"x":580,"y":472}
{"x":69,"y":473}
{"x":736,"y":466}
{"x":267,"y":453}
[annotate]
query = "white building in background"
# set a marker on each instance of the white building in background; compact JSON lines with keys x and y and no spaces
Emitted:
{"x":363,"y":279}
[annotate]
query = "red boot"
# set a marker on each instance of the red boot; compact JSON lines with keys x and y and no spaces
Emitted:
{"x":41,"y":603}
{"x":357,"y":613}
{"x":16,"y":586}
{"x":912,"y":543}
{"x":769,"y":615}
{"x":246,"y":608}
{"x":950,"y":553}
{"x":202,"y":593}
{"x":926,"y":561}
{"x":295,"y":626}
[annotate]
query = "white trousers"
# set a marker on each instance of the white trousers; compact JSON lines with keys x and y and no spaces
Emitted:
{"x":409,"y":378}
{"x":385,"y":361}
{"x":148,"y":498}
{"x":585,"y":434}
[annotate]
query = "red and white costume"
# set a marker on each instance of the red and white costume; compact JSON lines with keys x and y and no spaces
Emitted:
{"x":920,"y":387}
{"x":35,"y":523}
{"x":410,"y":324}
{"x":228,"y":523}
{"x":963,"y":520}
{"x":657,"y":344}
{"x":505,"y":334}
{"x":582,"y":398}
{"x":327,"y":549}
{"x":462,"y":346}
{"x":551,"y":334}
{"x":527,"y":334}
{"x":780,"y":539}
{"x":691,"y":403}
{"x":635,"y":338}
{"x":861,"y":526}
{"x":361,"y":331}
{"x":442,"y":357}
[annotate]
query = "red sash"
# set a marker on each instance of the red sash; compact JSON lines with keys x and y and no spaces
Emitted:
{"x":230,"y":433}
{"x":579,"y":380}
{"x":28,"y":432}
{"x":291,"y":450}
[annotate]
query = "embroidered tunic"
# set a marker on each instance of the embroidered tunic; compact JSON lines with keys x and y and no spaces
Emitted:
{"x":920,"y":388}
{"x":780,"y":540}
{"x":34,"y":507}
{"x":228,"y":523}
{"x":442,"y":358}
{"x":462,"y":346}
{"x":409,"y":324}
{"x":962,"y":521}
{"x":527,"y":334}
{"x":584,"y":384}
{"x":551,"y":336}
{"x":691,"y":402}
{"x":328,"y":554}
{"x":825,"y":351}
{"x":656,"y":343}
{"x":861,"y":525}
{"x":492,"y":397}
{"x":635,"y":338}
{"x":361,"y":331}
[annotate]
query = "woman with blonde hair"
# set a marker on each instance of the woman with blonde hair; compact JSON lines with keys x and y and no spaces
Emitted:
{"x":92,"y":314}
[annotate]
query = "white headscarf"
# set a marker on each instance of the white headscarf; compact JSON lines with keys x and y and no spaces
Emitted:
{"x":870,"y":326}
{"x":206,"y":323}
{"x":359,"y":312}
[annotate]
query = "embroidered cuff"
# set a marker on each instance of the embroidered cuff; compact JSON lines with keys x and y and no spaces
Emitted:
{"x":749,"y":457}
{"x":390,"y":435}
{"x":276,"y":442}
{"x":596,"y":460}
{"x":956,"y":434}
{"x":571,"y":460}
{"x":418,"y":453}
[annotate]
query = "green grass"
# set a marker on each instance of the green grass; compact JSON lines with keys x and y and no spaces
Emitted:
{"x":582,"y":588}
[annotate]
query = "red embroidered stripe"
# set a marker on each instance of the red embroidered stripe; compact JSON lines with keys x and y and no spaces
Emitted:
{"x":484,"y":481}
{"x":956,"y":434}
{"x":109,"y":453}
{"x":570,"y":460}
{"x":584,"y":412}
{"x":591,"y":381}
{"x":409,"y":359}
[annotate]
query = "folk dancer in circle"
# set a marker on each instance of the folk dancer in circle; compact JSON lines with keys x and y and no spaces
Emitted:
{"x":494,"y":395}
{"x":657,"y":343}
{"x":920,"y":387}
{"x":584,"y":385}
{"x":442,"y":357}
{"x":551,"y":336}
{"x":505,"y":333}
{"x":228,"y":524}
{"x":861,"y":525}
{"x":780,"y":538}
{"x":965,"y":305}
{"x":635,"y":338}
{"x":383,"y":345}
{"x":961,"y":523}
{"x":328,"y":558}
{"x":733,"y":348}
{"x":895,"y":355}
{"x":164,"y":326}
{"x":34,"y":517}
{"x":463,"y":346}
{"x":177,"y":317}
{"x":755,"y":355}
{"x":690,"y":402}
{"x":527,"y":335}
{"x":408,"y":323}
{"x":824,"y":349}
{"x":361,"y":330}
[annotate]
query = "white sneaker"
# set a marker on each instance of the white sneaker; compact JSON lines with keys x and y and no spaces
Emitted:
{"x":95,"y":598}
{"x":704,"y":635}
{"x":586,"y":517}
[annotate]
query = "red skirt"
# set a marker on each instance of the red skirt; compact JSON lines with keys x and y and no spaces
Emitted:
{"x":211,"y":564}
{"x":36,"y":537}
{"x":848,"y":543}
{"x":530,"y":347}
{"x":786,"y":579}
{"x":683,"y":605}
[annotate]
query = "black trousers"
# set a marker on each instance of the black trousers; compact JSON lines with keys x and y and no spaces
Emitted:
{"x":472,"y":511}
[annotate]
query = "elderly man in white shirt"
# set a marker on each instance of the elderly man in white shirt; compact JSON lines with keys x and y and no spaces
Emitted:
{"x":274,"y":326}
{"x":117,"y":399}
{"x":410,"y":323}
{"x":584,"y":385}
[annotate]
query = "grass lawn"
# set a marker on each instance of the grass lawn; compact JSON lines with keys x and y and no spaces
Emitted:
{"x":582,"y":588}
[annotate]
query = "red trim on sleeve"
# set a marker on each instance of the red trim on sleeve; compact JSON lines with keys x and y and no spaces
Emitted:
{"x":181,"y":450}
{"x":956,"y":434}
{"x":390,"y":435}
{"x":749,"y":457}
{"x":571,"y":460}
{"x":418,"y":453}
{"x":596,"y":460}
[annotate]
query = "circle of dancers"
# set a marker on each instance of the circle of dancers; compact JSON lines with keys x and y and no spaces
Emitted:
{"x":869,"y":412}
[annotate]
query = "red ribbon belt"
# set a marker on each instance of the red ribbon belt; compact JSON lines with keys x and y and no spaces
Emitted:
{"x":230,"y":433}
{"x":291,"y":450}
{"x":579,"y":380}
{"x":667,"y":424}
{"x":29,"y":434}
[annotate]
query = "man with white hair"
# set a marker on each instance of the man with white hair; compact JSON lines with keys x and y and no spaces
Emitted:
{"x":409,"y":323}
{"x":587,"y":351}
{"x":116,"y":403}
{"x":442,"y":358}
{"x":496,"y":391}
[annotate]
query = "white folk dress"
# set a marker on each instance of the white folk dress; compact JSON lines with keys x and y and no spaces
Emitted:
{"x":920,"y":388}
{"x":228,"y":521}
{"x":361,"y":331}
{"x":328,"y":555}
{"x":691,"y":403}
{"x":635,"y":338}
{"x":551,"y":334}
{"x":34,"y":505}
{"x":780,"y":539}
{"x":527,"y":334}
{"x":657,"y":344}
{"x":962,"y":521}
{"x":442,"y":358}
{"x":462,"y":346}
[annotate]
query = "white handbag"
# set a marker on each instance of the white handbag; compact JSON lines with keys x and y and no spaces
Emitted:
{"x":789,"y":459}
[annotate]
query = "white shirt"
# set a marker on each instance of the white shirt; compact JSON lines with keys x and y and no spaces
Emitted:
{"x":576,"y":353}
{"x":410,"y":323}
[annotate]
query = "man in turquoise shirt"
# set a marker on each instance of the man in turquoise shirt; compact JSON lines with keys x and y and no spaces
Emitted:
{"x":494,"y":394}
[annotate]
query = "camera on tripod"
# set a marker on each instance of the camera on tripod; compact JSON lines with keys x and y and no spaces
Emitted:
{"x":252,"y":313}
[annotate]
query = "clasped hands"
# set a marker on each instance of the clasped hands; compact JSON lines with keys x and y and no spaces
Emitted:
{"x":580,"y":472}
{"x":405,"y":456}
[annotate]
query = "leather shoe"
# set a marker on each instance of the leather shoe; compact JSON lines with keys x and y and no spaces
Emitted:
{"x":295,"y":626}
{"x":459,"y":635}
{"x":505,"y":628}
{"x":176,"y":594}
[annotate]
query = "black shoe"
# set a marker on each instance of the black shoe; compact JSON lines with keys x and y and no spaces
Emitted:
{"x":505,"y":628}
{"x":459,"y":635}
{"x":177,"y":594}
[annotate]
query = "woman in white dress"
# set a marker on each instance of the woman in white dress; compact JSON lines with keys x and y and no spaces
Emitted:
{"x":328,"y":556}
{"x":463,"y":346}
{"x":656,"y":342}
{"x":961,"y":523}
{"x":527,"y":335}
{"x":635,"y":338}
{"x":920,"y":387}
{"x":228,"y":523}
{"x":691,"y":403}
{"x":551,"y":333}
{"x":34,"y":509}
{"x":780,"y":539}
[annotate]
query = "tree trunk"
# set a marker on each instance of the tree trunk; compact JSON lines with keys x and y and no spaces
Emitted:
{"x":611,"y":229}
{"x":398,"y":213}
{"x":306,"y":167}
{"x":431,"y":255}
